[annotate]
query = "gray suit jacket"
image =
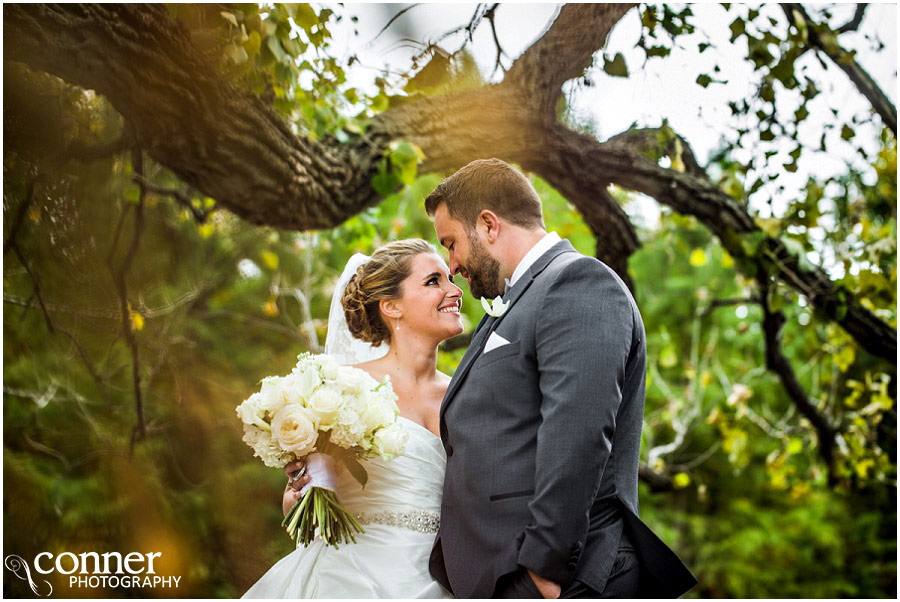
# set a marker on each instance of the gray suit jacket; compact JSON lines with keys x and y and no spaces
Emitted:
{"x":543,"y":437}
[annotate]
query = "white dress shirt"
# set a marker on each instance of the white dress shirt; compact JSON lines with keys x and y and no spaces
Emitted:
{"x":539,"y":248}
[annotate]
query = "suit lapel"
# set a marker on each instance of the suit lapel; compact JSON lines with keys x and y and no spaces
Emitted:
{"x":488,"y":324}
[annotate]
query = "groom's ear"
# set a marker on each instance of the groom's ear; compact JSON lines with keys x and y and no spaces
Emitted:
{"x":489,"y":223}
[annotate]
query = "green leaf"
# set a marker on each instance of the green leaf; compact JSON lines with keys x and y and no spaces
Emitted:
{"x":847,"y":132}
{"x":668,"y":358}
{"x":278,"y":52}
{"x":616,"y":67}
{"x":355,"y":468}
{"x":304,"y":16}
{"x":236,"y":53}
{"x":704,"y":80}
{"x":252,"y":45}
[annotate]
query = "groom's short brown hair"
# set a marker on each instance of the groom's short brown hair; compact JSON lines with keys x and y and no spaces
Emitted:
{"x":488,"y":184}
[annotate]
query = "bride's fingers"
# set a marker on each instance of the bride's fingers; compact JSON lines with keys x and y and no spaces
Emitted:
{"x":299,"y":483}
{"x":293,"y":467}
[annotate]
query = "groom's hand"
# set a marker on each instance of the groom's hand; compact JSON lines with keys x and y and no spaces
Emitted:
{"x":548,"y":588}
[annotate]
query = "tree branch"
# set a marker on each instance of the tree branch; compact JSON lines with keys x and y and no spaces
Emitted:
{"x":565,"y":151}
{"x":182,"y":110}
{"x":825,"y":40}
{"x":563,"y":52}
{"x":777,"y":362}
{"x":854,"y":23}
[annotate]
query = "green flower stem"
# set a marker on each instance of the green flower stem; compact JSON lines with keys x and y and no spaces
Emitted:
{"x":321,"y":510}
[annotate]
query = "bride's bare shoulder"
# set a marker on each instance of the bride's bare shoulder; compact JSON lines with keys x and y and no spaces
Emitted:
{"x":372,"y":367}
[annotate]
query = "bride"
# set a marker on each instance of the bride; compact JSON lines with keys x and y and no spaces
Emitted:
{"x":388,"y":315}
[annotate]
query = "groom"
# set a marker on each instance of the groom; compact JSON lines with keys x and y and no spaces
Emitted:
{"x":542,"y":420}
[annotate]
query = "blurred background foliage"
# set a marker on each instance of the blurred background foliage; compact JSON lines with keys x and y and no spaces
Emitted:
{"x":214,"y":304}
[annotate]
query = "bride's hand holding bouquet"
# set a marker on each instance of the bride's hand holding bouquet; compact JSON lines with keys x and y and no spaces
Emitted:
{"x":322,"y":413}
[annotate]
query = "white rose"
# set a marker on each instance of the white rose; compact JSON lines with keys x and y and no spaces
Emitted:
{"x":379,"y":411}
{"x":328,"y":366}
{"x":389,"y":442}
{"x":271,"y":395}
{"x":295,"y":429}
{"x":355,"y":380}
{"x":251,"y":411}
{"x":298,"y":388}
{"x":325,"y":403}
{"x":265,"y":448}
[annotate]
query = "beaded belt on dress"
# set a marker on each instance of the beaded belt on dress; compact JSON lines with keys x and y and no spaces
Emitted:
{"x":423,"y":521}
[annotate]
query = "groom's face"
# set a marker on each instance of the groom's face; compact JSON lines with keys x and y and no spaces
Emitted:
{"x":468,"y":255}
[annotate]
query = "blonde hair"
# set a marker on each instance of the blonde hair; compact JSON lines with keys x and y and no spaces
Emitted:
{"x":379,"y":278}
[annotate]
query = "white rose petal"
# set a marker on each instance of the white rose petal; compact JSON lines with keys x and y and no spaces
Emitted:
{"x":251,"y":411}
{"x":325,"y":404}
{"x":271,"y":396}
{"x":389,"y":442}
{"x":295,"y":429}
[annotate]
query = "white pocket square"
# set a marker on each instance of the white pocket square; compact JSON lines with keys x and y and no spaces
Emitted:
{"x":494,"y":341}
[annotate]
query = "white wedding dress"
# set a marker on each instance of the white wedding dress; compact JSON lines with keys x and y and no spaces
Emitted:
{"x":399,"y":508}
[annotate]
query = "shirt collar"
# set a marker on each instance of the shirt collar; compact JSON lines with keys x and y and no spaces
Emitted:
{"x":539,"y":248}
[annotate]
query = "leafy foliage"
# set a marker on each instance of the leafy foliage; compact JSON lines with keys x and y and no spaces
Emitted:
{"x":216,"y":303}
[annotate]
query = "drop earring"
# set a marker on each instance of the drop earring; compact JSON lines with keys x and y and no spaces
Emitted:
{"x":398,"y":324}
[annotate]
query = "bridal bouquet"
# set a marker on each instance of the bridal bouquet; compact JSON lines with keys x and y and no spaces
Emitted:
{"x":324,"y":413}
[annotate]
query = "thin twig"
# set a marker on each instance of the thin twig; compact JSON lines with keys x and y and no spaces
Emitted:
{"x":37,"y":287}
{"x":140,"y":429}
{"x":853,"y":24}
{"x":716,"y":303}
{"x":391,"y":22}
{"x":183,"y":199}
{"x":489,"y":15}
{"x":20,"y":215}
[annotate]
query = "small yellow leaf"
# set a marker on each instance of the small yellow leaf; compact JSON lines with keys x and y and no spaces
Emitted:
{"x":137,"y":321}
{"x":34,"y":214}
{"x":698,"y":257}
{"x":681,"y":480}
{"x":205,"y":230}
{"x":270,"y":308}
{"x":270,"y":259}
{"x":727,"y":260}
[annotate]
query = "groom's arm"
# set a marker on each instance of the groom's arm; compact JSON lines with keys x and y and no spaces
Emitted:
{"x":583,"y":338}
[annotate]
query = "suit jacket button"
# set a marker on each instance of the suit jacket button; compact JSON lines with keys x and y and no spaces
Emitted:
{"x":449,"y":450}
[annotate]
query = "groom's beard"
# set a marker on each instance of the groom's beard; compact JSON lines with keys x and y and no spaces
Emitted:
{"x":483,"y":270}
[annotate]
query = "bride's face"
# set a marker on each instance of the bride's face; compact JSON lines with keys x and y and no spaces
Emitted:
{"x":431,"y":303}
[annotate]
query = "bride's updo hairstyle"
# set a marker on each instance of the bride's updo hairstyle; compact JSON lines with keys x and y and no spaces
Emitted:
{"x":379,"y":278}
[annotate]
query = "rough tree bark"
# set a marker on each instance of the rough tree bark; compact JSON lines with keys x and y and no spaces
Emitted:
{"x":227,"y":143}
